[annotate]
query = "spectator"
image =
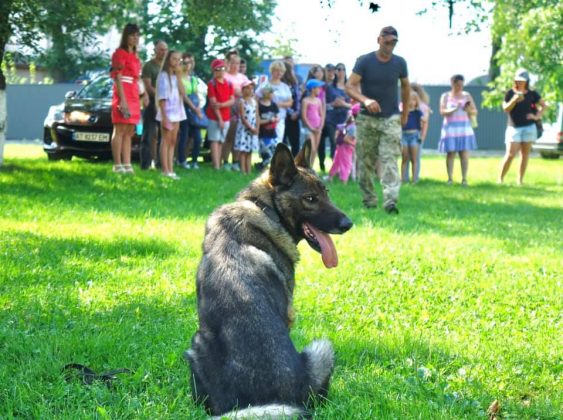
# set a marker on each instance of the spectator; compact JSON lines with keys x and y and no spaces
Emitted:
{"x":337,"y":108}
{"x":311,"y":115}
{"x":373,"y":83}
{"x":281,"y":97}
{"x":424,"y":104}
{"x":150,"y":126}
{"x":236,"y":78}
{"x":268,"y":120}
{"x":243,"y":66}
{"x":246,"y":140}
{"x":170,"y":112}
{"x":524,"y":108}
{"x":125,"y":107}
{"x":327,"y":132}
{"x":192,"y":105}
{"x":457,"y":135}
{"x":343,"y":161}
{"x":411,"y":134}
{"x":317,"y":72}
{"x":220,"y":98}
{"x":292,"y":128}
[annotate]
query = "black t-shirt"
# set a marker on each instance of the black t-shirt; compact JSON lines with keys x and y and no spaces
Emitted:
{"x":267,"y":112}
{"x":380,"y":80}
{"x":517,"y":116}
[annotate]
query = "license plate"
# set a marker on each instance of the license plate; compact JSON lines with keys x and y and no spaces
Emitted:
{"x":99,"y":137}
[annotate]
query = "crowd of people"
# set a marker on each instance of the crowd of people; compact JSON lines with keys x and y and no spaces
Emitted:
{"x":338,"y":112}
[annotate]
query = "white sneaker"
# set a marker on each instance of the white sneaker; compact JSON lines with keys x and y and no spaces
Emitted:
{"x":171,"y":175}
{"x":118,"y":169}
{"x":195,"y":165}
{"x":185,"y":165}
{"x":227,"y":166}
{"x":236,"y":167}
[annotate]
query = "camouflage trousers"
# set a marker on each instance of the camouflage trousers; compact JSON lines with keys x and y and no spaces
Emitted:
{"x":379,"y":139}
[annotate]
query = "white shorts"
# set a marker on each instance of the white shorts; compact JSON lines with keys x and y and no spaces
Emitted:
{"x":527,"y":134}
{"x":214,"y":133}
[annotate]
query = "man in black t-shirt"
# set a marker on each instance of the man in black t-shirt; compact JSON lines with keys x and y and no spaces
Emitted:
{"x":374,"y":83}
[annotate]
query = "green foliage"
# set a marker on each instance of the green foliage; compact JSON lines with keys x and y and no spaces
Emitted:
{"x":434,"y":313}
{"x":209,"y":29}
{"x":530,"y":36}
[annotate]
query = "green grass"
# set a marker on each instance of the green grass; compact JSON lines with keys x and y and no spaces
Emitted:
{"x":433,"y":314}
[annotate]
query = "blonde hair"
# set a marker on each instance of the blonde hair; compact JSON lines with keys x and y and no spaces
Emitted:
{"x":422,"y":95}
{"x":277,"y":65}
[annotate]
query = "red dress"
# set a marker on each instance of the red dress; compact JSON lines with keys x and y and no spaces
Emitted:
{"x":128,"y":65}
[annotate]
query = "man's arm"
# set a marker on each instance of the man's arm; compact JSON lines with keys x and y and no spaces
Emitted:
{"x":405,"y":98}
{"x":353,"y":89}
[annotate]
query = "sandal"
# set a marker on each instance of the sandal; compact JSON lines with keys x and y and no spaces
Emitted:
{"x":128,"y":169}
{"x":118,"y":169}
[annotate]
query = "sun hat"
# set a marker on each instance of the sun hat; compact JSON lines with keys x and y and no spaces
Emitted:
{"x":313,"y":83}
{"x":247,"y":83}
{"x":389,"y":31}
{"x":217,"y":63}
{"x":521,"y":75}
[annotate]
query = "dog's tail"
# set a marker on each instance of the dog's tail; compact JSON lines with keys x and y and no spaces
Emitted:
{"x":319,"y":357}
{"x":272,"y":411}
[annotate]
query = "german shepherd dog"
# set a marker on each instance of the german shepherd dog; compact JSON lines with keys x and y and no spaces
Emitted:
{"x":242,"y":359}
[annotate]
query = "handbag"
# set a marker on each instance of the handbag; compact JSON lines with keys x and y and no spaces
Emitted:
{"x":193,"y":119}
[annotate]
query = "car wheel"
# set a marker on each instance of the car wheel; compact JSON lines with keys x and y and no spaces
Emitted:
{"x":58,"y":156}
{"x":547,"y":155}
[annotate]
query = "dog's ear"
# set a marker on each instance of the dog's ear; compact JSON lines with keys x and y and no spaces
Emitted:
{"x":282,"y":167}
{"x":303,"y":158}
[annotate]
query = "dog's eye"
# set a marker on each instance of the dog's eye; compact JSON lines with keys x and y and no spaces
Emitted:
{"x":310,"y":198}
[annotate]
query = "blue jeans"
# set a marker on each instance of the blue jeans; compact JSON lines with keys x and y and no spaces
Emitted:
{"x":186,"y":131}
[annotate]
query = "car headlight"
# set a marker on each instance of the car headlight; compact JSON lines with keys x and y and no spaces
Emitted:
{"x":54,"y":115}
{"x":76,"y":117}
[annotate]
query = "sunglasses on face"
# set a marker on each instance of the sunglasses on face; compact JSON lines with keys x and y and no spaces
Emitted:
{"x":340,"y":68}
{"x":219,"y":69}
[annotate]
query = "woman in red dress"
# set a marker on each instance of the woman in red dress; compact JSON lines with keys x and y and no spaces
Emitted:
{"x":125,"y":106}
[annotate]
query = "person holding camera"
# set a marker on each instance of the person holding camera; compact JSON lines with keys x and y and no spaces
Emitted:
{"x":458,"y":109}
{"x":525,"y":108}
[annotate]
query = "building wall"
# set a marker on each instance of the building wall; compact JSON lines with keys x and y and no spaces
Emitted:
{"x":28,"y":106}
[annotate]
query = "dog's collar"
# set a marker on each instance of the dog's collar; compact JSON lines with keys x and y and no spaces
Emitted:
{"x":267,"y":210}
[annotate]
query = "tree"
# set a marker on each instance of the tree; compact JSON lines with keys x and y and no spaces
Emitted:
{"x":210,"y":28}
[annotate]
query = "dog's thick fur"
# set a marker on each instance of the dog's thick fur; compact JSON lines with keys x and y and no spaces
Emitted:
{"x":242,"y":358}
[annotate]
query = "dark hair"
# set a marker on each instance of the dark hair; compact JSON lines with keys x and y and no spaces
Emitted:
{"x":242,"y":61}
{"x":187,"y":55}
{"x":314,"y":69}
{"x":289,"y":76}
{"x":129,"y":29}
{"x":335,"y":81}
{"x":230,"y":54}
{"x":457,"y":77}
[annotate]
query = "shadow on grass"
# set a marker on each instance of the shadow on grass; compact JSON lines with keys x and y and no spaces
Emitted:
{"x":488,"y":210}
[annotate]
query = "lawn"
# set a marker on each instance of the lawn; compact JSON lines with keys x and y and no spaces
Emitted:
{"x":434,"y":314}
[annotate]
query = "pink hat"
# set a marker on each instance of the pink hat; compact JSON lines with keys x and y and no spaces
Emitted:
{"x":217,"y":63}
{"x":247,"y":82}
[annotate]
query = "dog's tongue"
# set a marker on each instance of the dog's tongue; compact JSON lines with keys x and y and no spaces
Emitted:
{"x":328,"y":250}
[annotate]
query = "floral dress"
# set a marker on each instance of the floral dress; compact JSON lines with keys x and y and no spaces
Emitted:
{"x":246,"y":141}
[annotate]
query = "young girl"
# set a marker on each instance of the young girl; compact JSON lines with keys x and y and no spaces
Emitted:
{"x":345,"y":147}
{"x":170,"y":110}
{"x":312,"y":115}
{"x":246,"y":139}
{"x":413,"y":132}
{"x":267,"y":121}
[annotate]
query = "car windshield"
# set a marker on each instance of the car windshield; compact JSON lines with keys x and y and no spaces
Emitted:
{"x":99,"y":88}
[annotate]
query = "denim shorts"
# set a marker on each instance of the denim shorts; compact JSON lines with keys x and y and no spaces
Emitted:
{"x":410,"y":138}
{"x":214,"y":133}
{"x":527,"y":134}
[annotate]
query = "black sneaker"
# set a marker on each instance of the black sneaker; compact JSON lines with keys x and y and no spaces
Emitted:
{"x":392,"y":209}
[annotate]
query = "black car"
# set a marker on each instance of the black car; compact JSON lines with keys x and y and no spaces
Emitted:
{"x":81,"y":125}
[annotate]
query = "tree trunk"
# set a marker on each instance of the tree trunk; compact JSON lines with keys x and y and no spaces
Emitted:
{"x":494,"y":68}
